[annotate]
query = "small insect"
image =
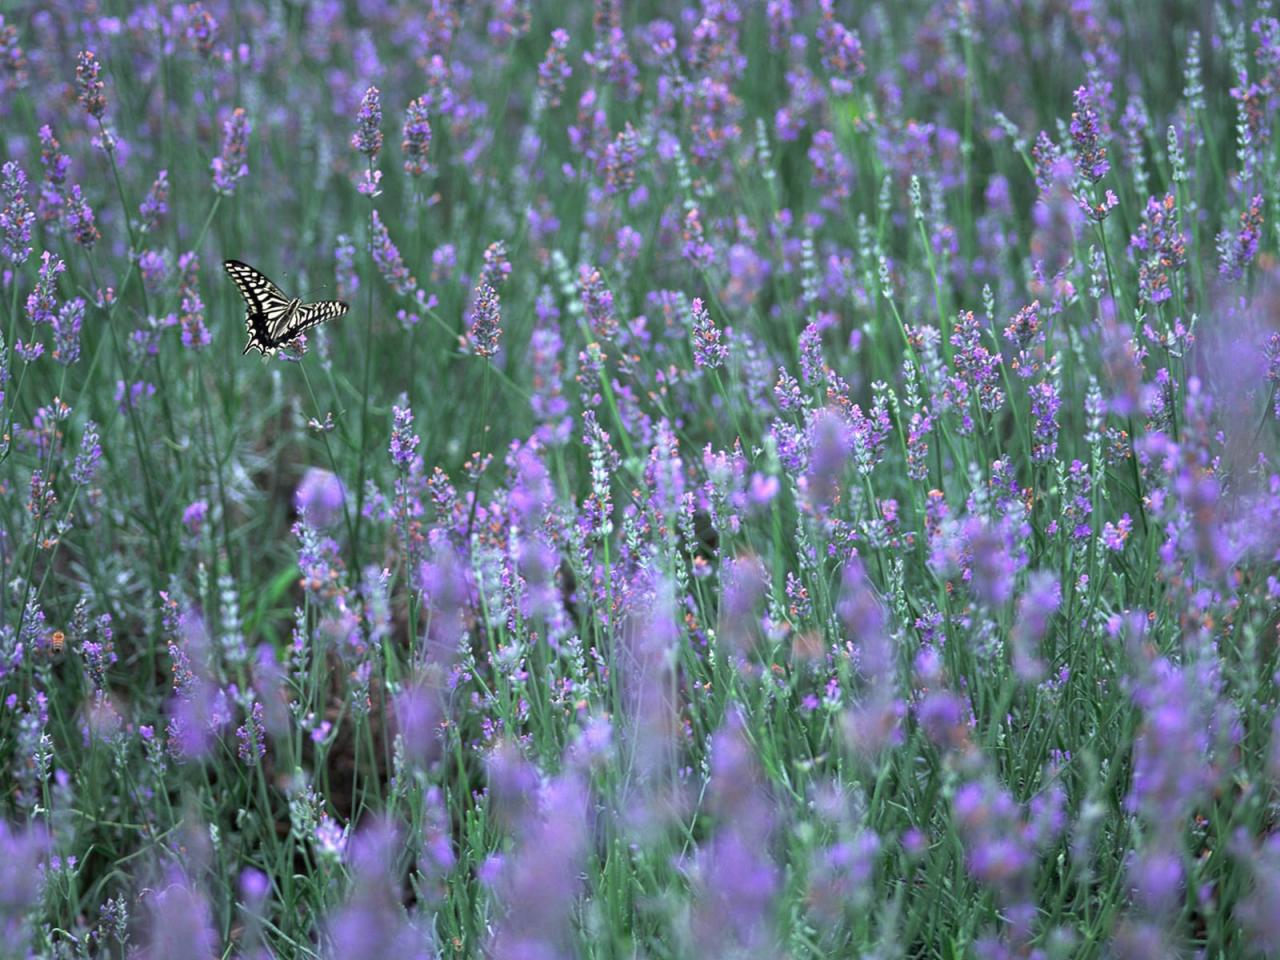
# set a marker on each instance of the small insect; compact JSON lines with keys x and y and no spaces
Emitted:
{"x":57,"y":644}
{"x":272,"y":319}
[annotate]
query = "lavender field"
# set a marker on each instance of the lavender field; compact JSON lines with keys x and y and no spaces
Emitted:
{"x":795,"y":479}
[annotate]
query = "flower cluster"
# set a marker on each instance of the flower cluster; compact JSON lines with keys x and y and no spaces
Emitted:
{"x":232,"y":164}
{"x":775,"y":488}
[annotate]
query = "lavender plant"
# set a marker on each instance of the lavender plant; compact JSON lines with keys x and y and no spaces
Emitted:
{"x":795,"y":479}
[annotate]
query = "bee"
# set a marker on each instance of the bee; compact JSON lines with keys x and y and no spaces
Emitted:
{"x":57,"y":645}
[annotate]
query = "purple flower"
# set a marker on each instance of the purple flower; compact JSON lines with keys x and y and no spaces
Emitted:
{"x":554,"y":70}
{"x":180,"y":921}
{"x":1036,"y":607}
{"x":418,"y":716}
{"x":319,"y":562}
{"x":331,"y":839}
{"x":13,"y":62}
{"x":344,"y":255}
{"x":403,"y":440}
{"x":763,"y":489}
{"x":597,"y":510}
{"x":84,"y":469}
{"x":252,"y":736}
{"x":1235,"y":253}
{"x":1160,"y":247}
{"x":1056,"y":219}
{"x":1097,"y":210}
{"x":945,"y":718}
{"x":512,"y":784}
{"x":66,"y":332}
{"x":79,"y":219}
{"x":368,"y":135}
{"x":709,"y":350}
{"x":232,"y":165}
{"x":497,"y":268}
{"x":863,"y":617}
{"x":609,"y":58}
{"x":620,"y":160}
{"x":195,"y":335}
{"x":199,"y":29}
{"x":697,"y":251}
{"x":88,"y":87}
{"x":99,"y":655}
{"x":154,"y":267}
{"x":987,"y":557}
{"x":1024,"y":333}
{"x":55,"y":164}
{"x":485,"y":322}
{"x":782,"y":20}
{"x":1157,"y":877}
{"x":16,"y":217}
{"x":841,"y":51}
{"x":813,"y":364}
{"x":736,"y":879}
{"x":370,"y":183}
{"x":744,"y":582}
{"x":597,"y":303}
{"x":193,"y":516}
{"x":197,"y":707}
{"x":138,"y":391}
{"x":444,"y":260}
{"x":23,"y":853}
{"x":372,"y":922}
{"x":156,"y":203}
{"x":839,"y":876}
{"x":319,"y":497}
{"x":388,"y":260}
{"x":539,"y":882}
{"x":254,"y":887}
{"x":1259,"y":911}
{"x":371,"y":926}
{"x":979,"y":367}
{"x":549,"y":406}
{"x":446,"y":594}
{"x":1171,"y":772}
{"x":1087,"y":134}
{"x":830,"y":441}
{"x":417,"y":138}
{"x":1115,"y":535}
{"x":510,"y":20}
{"x":629,"y":244}
{"x":1045,"y":404}
{"x":998,"y":845}
{"x":42,"y":301}
{"x":832,"y":172}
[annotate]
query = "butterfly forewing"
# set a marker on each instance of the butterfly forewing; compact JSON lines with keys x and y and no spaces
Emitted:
{"x":271,"y":318}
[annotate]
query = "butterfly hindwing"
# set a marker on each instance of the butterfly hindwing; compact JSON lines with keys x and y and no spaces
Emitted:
{"x":309,"y":314}
{"x":271,"y":318}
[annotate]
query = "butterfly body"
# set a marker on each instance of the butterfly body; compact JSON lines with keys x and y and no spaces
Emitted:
{"x":273,"y":320}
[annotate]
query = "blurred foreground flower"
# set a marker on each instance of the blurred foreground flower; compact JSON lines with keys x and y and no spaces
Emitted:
{"x":320,"y":496}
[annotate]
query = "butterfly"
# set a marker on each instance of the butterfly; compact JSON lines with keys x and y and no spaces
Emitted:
{"x":272,"y":319}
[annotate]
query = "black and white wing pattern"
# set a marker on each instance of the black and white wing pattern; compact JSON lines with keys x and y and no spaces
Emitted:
{"x":309,"y":314}
{"x":272,"y":319}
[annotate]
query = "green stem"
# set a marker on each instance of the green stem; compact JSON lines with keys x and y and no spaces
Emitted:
{"x":484,"y":419}
{"x":333,"y":464}
{"x":364,"y":402}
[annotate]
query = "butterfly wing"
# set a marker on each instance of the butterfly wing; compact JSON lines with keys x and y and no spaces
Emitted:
{"x":310,"y":314}
{"x":266,"y":307}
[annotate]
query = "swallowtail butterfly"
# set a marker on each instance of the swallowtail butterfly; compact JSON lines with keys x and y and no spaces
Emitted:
{"x":272,"y":319}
